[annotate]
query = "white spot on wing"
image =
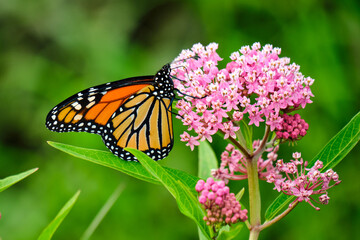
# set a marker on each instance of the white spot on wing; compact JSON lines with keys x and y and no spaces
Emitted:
{"x":78,"y":117}
{"x":90,"y":104}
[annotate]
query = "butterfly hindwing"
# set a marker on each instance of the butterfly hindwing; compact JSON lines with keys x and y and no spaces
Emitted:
{"x":144,"y":122}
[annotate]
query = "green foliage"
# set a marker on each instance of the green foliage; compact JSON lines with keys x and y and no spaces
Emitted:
{"x":228,"y":233}
{"x":334,"y":152}
{"x":11,"y":180}
{"x":180,"y":184}
{"x":107,"y":159}
{"x":186,"y":200}
{"x":240,"y":194}
{"x":134,"y":169}
{"x":207,"y":160}
{"x":340,"y":145}
{"x":277,"y":205}
{"x":50,"y":229}
{"x":102,"y":213}
{"x":247,"y":132}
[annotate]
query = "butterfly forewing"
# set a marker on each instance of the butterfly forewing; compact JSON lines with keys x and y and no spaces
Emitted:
{"x":90,"y":109}
{"x":134,"y":112}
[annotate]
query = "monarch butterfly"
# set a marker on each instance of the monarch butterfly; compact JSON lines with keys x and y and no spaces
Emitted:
{"x":133,"y":112}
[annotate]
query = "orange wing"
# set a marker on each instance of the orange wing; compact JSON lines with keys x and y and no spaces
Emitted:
{"x":143,"y":122}
{"x":110,"y":102}
{"x":91,"y":109}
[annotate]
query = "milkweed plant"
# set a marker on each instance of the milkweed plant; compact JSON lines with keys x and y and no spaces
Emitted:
{"x":257,"y":89}
{"x":257,"y":86}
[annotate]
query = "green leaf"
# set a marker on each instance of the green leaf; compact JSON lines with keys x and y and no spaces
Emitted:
{"x":228,"y":233}
{"x":333,"y":153}
{"x":102,"y":213}
{"x":248,"y":134}
{"x":185,"y":198}
{"x":50,"y":229}
{"x":133,"y":169}
{"x":201,"y":235}
{"x":106,"y":159}
{"x":11,"y":180}
{"x":340,"y":145}
{"x":282,"y":201}
{"x":207,"y":160}
{"x":240,"y":194}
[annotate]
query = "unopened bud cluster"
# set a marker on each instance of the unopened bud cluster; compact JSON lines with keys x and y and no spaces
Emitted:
{"x":220,"y":205}
{"x":292,"y":127}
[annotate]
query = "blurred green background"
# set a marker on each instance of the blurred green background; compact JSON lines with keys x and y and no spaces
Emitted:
{"x":51,"y":49}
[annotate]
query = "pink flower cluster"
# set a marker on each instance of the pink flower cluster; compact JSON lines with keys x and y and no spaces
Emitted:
{"x":233,"y":164}
{"x":292,"y":127}
{"x":303,"y":182}
{"x":220,"y":205}
{"x":256,"y":84}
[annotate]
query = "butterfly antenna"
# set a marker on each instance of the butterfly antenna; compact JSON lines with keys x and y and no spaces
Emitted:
{"x":196,"y":57}
{"x":181,"y":80}
{"x":187,"y":95}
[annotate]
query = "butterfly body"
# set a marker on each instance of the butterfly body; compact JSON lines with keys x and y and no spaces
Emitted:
{"x":134,"y":112}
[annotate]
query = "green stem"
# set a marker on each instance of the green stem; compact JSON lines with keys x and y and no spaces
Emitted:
{"x":242,"y":149}
{"x":279,"y":217}
{"x":254,"y":235}
{"x":254,"y":198}
{"x":262,"y":146}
